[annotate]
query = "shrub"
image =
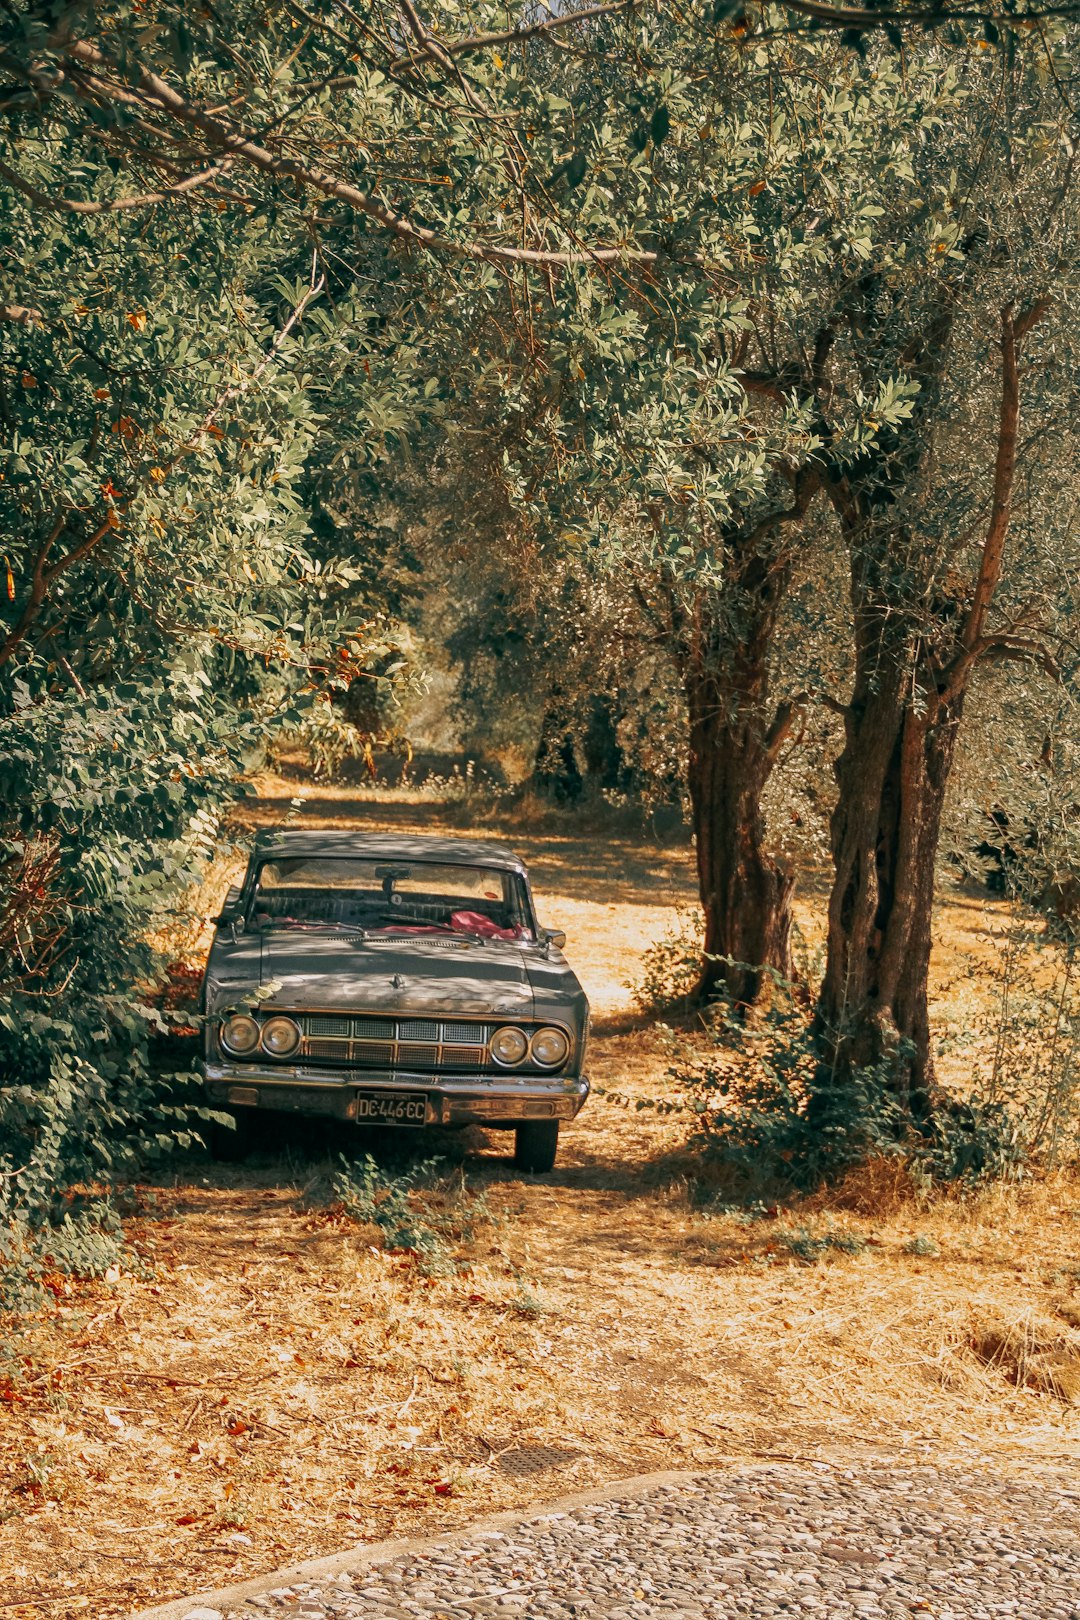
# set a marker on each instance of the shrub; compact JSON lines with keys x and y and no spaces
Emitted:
{"x":85,"y":1243}
{"x":1035,"y":1035}
{"x":767,"y":1114}
{"x":671,"y":968}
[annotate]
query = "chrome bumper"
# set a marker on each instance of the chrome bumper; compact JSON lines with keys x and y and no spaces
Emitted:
{"x":457,"y":1100}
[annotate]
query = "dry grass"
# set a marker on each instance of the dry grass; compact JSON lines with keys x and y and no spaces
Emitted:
{"x":280,"y":1387}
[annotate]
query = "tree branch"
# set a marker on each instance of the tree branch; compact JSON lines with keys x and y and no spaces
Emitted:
{"x":118,"y":205}
{"x":518,"y":36}
{"x":1003,"y":646}
{"x":1013,"y":332}
{"x":239,"y":144}
{"x":764,"y":384}
{"x":36,"y":595}
{"x":806,"y":485}
{"x":840,"y":16}
{"x":778,"y":733}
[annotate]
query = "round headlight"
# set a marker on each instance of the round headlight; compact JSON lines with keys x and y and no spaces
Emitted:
{"x":509,"y":1046}
{"x":240,"y":1035}
{"x":281,"y":1036}
{"x":550,"y":1048}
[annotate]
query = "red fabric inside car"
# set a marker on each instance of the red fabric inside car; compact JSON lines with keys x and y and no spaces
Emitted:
{"x":474,"y":922}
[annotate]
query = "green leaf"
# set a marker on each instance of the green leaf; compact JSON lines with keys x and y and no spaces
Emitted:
{"x":575,"y":169}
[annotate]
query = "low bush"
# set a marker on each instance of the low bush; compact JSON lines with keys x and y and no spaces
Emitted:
{"x":427,"y":1209}
{"x":671,"y":968}
{"x":85,"y":1243}
{"x":767,"y":1114}
{"x":1034,"y":1036}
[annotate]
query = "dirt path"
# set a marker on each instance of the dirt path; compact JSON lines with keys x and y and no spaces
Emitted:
{"x":277,"y":1387}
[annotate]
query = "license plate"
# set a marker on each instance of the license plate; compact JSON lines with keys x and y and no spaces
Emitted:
{"x":391,"y":1107}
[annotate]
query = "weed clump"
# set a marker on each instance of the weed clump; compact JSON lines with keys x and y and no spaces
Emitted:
{"x":426,"y":1210}
{"x":811,"y":1247}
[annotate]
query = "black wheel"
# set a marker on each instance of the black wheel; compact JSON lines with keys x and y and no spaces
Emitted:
{"x":535,"y":1145}
{"x":231,"y":1146}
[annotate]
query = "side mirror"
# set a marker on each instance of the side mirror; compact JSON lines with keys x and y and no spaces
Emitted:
{"x":556,"y":937}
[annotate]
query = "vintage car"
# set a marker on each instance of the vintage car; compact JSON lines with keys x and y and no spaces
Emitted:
{"x":394,"y":981}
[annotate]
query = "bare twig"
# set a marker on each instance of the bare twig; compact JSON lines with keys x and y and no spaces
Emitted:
{"x":117,"y":205}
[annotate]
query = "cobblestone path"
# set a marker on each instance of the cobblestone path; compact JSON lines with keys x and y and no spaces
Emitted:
{"x":773,"y":1540}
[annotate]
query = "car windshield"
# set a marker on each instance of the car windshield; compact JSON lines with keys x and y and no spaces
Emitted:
{"x":391,"y":897}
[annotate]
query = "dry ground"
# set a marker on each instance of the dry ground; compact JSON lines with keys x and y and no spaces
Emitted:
{"x":278,"y":1387}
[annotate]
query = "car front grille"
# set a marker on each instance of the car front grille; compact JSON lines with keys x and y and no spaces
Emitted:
{"x":394,"y":1043}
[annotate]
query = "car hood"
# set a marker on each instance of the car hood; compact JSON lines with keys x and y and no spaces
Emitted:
{"x":341,"y":971}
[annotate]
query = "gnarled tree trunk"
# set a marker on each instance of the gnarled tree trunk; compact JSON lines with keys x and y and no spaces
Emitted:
{"x":892,"y":776}
{"x":914,"y":660}
{"x":734,"y":740}
{"x":745,"y":891}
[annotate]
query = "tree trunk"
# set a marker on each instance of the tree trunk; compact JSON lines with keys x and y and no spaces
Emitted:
{"x":892,"y":776}
{"x":605,"y":765}
{"x":893,"y":773}
{"x":745,"y":892}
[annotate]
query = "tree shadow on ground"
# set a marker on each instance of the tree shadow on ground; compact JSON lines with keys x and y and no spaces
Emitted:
{"x":607,"y":1222}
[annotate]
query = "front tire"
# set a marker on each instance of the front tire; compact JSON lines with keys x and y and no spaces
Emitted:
{"x":535,"y":1145}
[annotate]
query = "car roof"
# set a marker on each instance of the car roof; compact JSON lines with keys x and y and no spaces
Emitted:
{"x":329,"y":842}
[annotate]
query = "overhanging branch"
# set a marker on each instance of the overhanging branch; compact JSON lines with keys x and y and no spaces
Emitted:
{"x":116,"y":205}
{"x":234,"y":144}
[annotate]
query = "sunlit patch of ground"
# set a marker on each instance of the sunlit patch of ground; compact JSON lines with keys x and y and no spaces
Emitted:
{"x":278,"y":1387}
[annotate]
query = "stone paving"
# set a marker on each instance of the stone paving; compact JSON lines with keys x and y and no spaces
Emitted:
{"x":882,"y":1540}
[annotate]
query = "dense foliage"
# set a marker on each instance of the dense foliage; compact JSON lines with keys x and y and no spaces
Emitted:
{"x":158,"y":583}
{"x":609,"y":332}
